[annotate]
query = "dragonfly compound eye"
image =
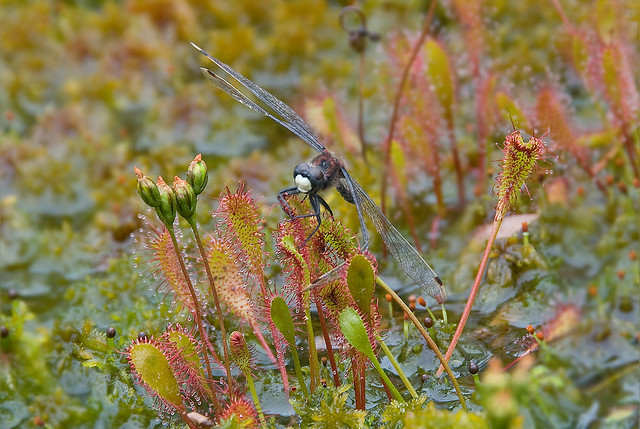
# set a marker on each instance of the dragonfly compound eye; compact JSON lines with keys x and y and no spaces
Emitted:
{"x":308,"y":178}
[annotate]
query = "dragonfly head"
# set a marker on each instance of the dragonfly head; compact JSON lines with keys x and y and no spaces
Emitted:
{"x":308,"y":178}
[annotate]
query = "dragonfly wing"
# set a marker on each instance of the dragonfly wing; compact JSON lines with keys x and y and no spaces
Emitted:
{"x":404,"y":253}
{"x":294,"y":122}
{"x":357,"y":201}
{"x":237,"y":95}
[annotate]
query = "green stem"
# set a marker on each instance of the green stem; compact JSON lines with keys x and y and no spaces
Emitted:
{"x":444,"y":314}
{"x":405,"y":328}
{"x":472,"y":295}
{"x":223,"y":333}
{"x":427,"y":337}
{"x":396,"y":365}
{"x":397,"y":396}
{"x":296,"y":365}
{"x":197,"y":315}
{"x":254,"y":394}
{"x":433,"y":317}
{"x":313,"y":353}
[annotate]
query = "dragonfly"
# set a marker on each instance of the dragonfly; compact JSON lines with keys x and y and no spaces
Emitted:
{"x":326,"y":171}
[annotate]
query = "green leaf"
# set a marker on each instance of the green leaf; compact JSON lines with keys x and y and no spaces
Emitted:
{"x":354,"y":331}
{"x":281,"y":317}
{"x":154,"y":370}
{"x":361,"y":279}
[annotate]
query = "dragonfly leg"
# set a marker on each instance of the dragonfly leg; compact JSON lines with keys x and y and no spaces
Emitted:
{"x":325,"y":205}
{"x":314,"y":200}
{"x":283,"y":201}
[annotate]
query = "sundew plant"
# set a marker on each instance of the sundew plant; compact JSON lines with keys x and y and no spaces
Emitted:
{"x":150,"y":275}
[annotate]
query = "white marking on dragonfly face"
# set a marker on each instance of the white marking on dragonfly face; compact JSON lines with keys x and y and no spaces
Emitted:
{"x":303,"y":184}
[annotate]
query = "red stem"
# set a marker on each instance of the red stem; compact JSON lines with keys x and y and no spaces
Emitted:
{"x":356,"y":384}
{"x":472,"y":295}
{"x":258,"y":332}
{"x":327,"y":342}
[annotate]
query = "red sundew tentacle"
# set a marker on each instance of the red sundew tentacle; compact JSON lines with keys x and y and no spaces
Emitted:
{"x":244,"y":411}
{"x":168,"y":267}
{"x":241,"y":219}
{"x":150,"y":362}
{"x":185,"y":357}
{"x":230,"y":285}
{"x":279,"y":342}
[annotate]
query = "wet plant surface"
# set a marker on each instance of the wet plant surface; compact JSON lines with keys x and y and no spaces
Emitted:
{"x":90,"y":90}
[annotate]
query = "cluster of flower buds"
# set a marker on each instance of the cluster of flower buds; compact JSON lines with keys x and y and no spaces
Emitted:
{"x":181,"y":197}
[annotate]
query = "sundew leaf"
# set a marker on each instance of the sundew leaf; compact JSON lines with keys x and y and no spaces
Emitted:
{"x":185,"y":346}
{"x":360,"y":280}
{"x":338,"y":237}
{"x":230,"y":286}
{"x":611,"y":63}
{"x":354,"y":331}
{"x":293,"y":258}
{"x":243,"y":219}
{"x":187,"y":350}
{"x":580,"y":55}
{"x":168,"y":265}
{"x":153,"y":368}
{"x":281,"y":317}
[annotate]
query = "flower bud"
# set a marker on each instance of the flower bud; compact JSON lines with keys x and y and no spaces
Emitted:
{"x":197,"y":174}
{"x":185,"y":198}
{"x":239,"y":351}
{"x":147,"y":189}
{"x":518,"y":162}
{"x":167,"y":208}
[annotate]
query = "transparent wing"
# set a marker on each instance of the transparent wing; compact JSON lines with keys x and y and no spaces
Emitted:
{"x":404,"y":253}
{"x":288,"y":117}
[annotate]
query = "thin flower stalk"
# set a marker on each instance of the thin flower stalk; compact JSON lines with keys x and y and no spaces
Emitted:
{"x":396,"y":365}
{"x":161,"y":197}
{"x":196,"y":312}
{"x":186,"y":202}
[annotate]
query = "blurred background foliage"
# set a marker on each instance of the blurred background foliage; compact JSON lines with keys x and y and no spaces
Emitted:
{"x":91,"y":88}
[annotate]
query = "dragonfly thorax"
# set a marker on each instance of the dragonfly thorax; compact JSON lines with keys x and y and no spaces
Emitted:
{"x":308,"y":178}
